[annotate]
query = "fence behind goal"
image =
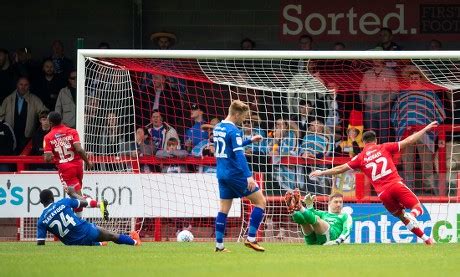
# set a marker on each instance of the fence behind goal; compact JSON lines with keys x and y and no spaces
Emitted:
{"x":311,"y":108}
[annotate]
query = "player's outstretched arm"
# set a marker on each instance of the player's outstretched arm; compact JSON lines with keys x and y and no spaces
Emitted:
{"x":416,"y":136}
{"x":79,"y":149}
{"x":332,"y":171}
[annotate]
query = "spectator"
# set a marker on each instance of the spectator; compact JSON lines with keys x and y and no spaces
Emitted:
{"x":353,"y":145}
{"x":414,"y":107}
{"x":378,"y":89}
{"x":21,"y":109}
{"x":386,"y":40}
{"x":161,"y":131}
{"x":247,"y":44}
{"x":24,"y":65}
{"x":144,"y":143}
{"x":283,"y":143}
{"x":206,"y":147}
{"x":7,"y":76}
{"x":37,"y":139}
{"x":7,"y":142}
{"x":256,"y":153}
{"x":304,"y":117}
{"x":37,"y":142}
{"x":172,"y":151}
{"x":305,"y":42}
{"x":195,"y":134}
{"x":316,"y":145}
{"x":141,"y":147}
{"x":66,"y":101}
{"x":112,"y":138}
{"x":163,"y":40}
{"x":435,"y":45}
{"x":62,"y":64}
{"x":48,"y":85}
{"x":316,"y":142}
{"x":339,"y":46}
{"x":166,"y":99}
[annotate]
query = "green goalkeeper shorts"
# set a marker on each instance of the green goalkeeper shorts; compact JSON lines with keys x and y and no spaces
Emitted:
{"x":317,"y":239}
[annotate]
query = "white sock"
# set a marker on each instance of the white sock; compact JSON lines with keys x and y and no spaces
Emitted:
{"x":251,"y":239}
{"x":220,"y":245}
{"x":425,"y":237}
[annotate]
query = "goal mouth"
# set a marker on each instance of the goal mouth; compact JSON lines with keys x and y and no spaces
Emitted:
{"x":305,"y":105}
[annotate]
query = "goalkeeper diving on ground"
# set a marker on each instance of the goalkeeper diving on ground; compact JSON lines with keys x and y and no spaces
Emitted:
{"x":319,"y":227}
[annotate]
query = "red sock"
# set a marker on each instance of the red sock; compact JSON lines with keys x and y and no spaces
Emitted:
{"x":92,"y":203}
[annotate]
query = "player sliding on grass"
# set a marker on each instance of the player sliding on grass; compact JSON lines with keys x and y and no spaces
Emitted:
{"x":377,"y":164}
{"x":60,"y":219}
{"x":233,"y":174}
{"x":318,"y":227}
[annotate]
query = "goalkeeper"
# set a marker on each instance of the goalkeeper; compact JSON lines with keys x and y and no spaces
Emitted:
{"x":319,"y":227}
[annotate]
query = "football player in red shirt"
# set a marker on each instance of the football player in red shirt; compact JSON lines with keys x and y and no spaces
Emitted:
{"x":62,"y":145}
{"x":376,"y":162}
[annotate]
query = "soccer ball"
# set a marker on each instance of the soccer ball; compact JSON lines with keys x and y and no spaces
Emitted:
{"x":185,"y":236}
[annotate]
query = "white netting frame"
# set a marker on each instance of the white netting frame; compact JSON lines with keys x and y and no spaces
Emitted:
{"x":214,"y":54}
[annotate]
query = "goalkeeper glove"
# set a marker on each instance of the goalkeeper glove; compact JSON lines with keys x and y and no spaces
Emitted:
{"x":309,"y":200}
{"x":334,"y":242}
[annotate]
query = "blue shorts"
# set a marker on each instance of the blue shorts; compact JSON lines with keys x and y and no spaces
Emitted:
{"x":91,"y":236}
{"x":234,"y":188}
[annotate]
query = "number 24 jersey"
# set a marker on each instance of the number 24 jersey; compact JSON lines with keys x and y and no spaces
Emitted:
{"x":59,"y":219}
{"x":376,"y":162}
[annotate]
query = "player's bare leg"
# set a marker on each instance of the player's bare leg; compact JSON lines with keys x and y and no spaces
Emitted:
{"x":259,"y":202}
{"x":106,"y":235}
{"x":221,"y":220}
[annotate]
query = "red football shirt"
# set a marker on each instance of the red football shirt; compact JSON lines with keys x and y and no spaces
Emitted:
{"x":376,"y":162}
{"x":59,"y":141}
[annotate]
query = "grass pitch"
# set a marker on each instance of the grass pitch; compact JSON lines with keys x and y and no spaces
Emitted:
{"x":198,"y":259}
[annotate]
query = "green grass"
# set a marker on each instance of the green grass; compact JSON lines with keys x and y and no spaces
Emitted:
{"x":198,"y":259}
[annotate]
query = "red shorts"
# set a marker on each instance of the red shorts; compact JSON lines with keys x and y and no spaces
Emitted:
{"x":398,"y":197}
{"x":72,"y":176}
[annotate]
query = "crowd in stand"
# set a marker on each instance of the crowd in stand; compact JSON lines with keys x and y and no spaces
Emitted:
{"x":320,"y":124}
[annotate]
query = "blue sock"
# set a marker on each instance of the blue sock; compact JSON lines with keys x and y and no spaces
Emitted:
{"x":221,"y":221}
{"x":256,"y":217}
{"x":124,"y":239}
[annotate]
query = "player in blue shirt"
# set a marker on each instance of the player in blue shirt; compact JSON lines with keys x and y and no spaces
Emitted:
{"x":59,"y":219}
{"x":233,"y":174}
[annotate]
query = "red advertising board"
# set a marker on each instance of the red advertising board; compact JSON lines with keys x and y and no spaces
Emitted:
{"x":335,"y":20}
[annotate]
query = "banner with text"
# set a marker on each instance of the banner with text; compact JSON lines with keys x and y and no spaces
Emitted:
{"x":373,"y":224}
{"x":129,"y":195}
{"x":352,"y":20}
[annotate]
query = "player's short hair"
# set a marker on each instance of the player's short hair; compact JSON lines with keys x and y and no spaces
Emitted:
{"x":55,"y":118}
{"x":46,"y":196}
{"x":335,"y":195}
{"x":238,"y":107}
{"x":369,"y":136}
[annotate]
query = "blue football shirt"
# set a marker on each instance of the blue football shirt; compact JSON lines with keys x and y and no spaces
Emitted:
{"x":60,"y":220}
{"x":228,"y":140}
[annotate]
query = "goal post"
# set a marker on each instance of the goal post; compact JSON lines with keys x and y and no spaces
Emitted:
{"x":310,"y":107}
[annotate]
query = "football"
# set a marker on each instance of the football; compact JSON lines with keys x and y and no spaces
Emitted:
{"x":185,"y":236}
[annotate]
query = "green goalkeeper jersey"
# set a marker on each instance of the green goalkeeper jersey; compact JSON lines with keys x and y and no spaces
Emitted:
{"x":340,"y":224}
